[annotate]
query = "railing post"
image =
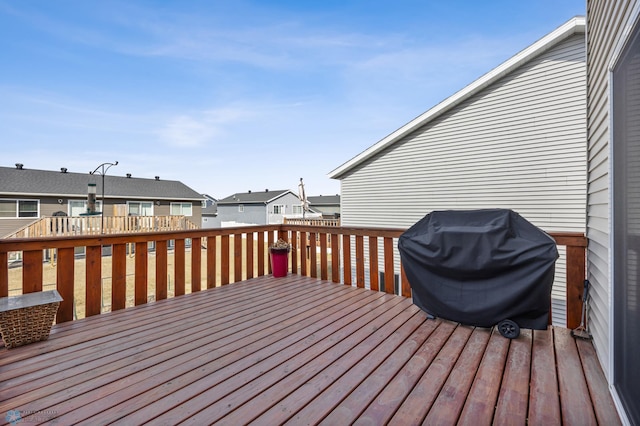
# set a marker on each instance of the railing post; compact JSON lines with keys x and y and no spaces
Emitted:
{"x":576,"y":266}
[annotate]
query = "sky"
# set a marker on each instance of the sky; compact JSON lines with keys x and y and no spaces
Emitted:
{"x":228,"y":96}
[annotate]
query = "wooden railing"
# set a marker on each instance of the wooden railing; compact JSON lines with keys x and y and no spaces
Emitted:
{"x":59,"y":226}
{"x":353,"y":256}
{"x":312,"y":222}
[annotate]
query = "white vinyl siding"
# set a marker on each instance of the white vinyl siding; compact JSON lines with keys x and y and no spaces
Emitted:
{"x":606,"y":22}
{"x":520,"y":143}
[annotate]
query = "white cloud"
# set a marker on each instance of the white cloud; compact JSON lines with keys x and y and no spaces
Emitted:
{"x":201,"y":128}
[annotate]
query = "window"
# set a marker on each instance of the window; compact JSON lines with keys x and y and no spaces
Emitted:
{"x":278,"y":209}
{"x":140,"y":208}
{"x":241,"y":208}
{"x":19,"y":208}
{"x":296,"y":209}
{"x":181,"y":209}
{"x":78,"y":207}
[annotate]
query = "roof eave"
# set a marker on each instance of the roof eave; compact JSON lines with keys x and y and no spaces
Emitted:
{"x":573,"y":26}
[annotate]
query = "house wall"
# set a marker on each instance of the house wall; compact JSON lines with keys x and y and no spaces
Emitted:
{"x":253,"y":214}
{"x":288,"y":200}
{"x":520,"y":144}
{"x":606,"y":23}
{"x":113,"y":207}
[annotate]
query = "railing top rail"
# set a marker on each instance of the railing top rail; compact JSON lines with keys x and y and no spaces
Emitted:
{"x":575,"y":239}
{"x":18,"y":244}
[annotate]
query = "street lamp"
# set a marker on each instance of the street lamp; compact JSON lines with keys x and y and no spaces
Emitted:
{"x":103,"y":170}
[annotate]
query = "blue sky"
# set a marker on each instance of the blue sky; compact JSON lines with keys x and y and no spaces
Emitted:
{"x":230,"y":96}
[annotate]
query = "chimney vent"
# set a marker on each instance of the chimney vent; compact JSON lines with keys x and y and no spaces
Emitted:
{"x":19,"y":166}
{"x":249,"y":191}
{"x":128,"y":175}
{"x":63,"y":169}
{"x":157,"y":177}
{"x":266,"y":190}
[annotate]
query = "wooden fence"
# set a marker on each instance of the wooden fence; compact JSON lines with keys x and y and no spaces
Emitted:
{"x":59,"y":226}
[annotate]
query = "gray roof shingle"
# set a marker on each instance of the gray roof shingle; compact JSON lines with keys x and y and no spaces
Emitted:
{"x":22,"y":182}
{"x":261,"y":197}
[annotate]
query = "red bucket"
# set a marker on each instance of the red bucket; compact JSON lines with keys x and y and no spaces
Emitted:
{"x":279,"y":261}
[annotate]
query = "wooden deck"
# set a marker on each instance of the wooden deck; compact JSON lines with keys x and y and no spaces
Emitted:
{"x":301,"y":351}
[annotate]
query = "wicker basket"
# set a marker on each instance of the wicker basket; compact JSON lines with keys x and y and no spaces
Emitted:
{"x":28,"y":318}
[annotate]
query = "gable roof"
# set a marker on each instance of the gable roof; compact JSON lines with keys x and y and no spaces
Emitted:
{"x":263,"y":197}
{"x":28,"y":182}
{"x":575,"y":25}
{"x":324,"y":200}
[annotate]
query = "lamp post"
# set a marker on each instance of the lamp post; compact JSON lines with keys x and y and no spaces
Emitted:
{"x":103,"y":170}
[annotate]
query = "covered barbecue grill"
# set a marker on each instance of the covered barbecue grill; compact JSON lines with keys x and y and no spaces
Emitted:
{"x":481,"y":267}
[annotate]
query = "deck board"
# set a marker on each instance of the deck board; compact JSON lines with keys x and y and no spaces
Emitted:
{"x":301,"y":351}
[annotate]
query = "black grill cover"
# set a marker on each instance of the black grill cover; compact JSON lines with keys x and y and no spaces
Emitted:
{"x":480,"y":267}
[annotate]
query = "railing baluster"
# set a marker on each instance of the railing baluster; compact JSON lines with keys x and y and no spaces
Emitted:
{"x":211,"y":261}
{"x":118,"y":276}
{"x":93,"y":294}
{"x":260,"y":253}
{"x":404,"y":283}
{"x":269,"y":243}
{"x":141,"y":273}
{"x":294,"y":252}
{"x":179,"y":269}
{"x":161,"y":269}
{"x":304,"y":248}
{"x":374,"y":282}
{"x":389,"y":276}
{"x":32,"y":271}
{"x":360,"y":261}
{"x":313,"y":250}
{"x":4,"y":274}
{"x":224,"y":260}
{"x":237,"y":257}
{"x":65,"y":278}
{"x":324,"y":273}
{"x":249,"y":255}
{"x":335,"y":258}
{"x":346,"y":258}
{"x":196,"y":264}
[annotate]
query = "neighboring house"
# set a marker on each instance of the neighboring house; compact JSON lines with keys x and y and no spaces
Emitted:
{"x":515,"y":138}
{"x":27,"y":195}
{"x":210,"y":212}
{"x":258,"y":208}
{"x":327,"y":205}
{"x":613,"y":200}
